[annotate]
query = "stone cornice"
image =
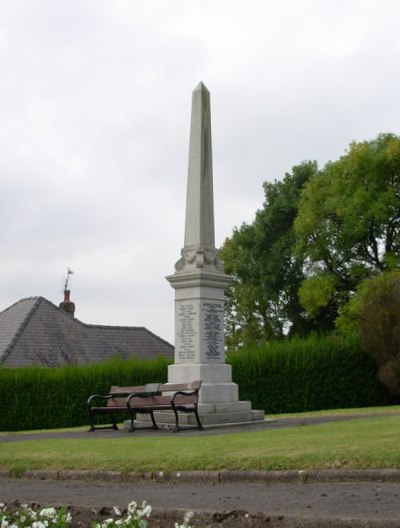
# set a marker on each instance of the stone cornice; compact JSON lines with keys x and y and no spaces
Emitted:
{"x":199,"y":278}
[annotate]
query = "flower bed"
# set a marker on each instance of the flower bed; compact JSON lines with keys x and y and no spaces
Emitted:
{"x":136,"y":516}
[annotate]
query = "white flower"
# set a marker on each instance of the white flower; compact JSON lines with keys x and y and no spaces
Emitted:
{"x":27,"y":517}
{"x":188,"y":517}
{"x":38,"y":524}
{"x":50,"y":513}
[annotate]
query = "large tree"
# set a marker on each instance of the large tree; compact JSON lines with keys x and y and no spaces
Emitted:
{"x":262,"y":301}
{"x":348,"y":223}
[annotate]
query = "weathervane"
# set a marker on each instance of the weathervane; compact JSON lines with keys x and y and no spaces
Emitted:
{"x":69,"y":272}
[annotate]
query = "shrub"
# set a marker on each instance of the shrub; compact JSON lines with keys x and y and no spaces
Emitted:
{"x":43,"y":398}
{"x":379,"y":323}
{"x":307,"y":374}
{"x":289,"y":376}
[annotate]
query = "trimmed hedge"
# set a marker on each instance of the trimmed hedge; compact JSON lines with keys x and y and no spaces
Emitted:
{"x":290,"y":376}
{"x":307,"y":374}
{"x":47,"y":398}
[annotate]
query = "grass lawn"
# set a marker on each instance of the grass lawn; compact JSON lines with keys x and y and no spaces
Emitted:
{"x":372,"y":442}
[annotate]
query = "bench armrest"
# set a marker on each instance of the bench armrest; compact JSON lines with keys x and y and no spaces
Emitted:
{"x":98,"y":397}
{"x":194,"y":392}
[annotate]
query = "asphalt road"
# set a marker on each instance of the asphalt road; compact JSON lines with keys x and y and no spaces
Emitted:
{"x":333,"y":500}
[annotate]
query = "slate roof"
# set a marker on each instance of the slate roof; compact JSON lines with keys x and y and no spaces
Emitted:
{"x":34,"y":331}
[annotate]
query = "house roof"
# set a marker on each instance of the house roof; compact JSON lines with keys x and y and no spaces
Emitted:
{"x":34,"y":331}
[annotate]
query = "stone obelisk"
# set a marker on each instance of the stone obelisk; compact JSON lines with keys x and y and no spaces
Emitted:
{"x":199,"y":282}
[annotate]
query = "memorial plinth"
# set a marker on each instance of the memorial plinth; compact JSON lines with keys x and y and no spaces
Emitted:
{"x":199,"y":282}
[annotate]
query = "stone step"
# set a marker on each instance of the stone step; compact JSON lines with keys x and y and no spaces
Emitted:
{"x":167,"y":418}
{"x":224,"y":407}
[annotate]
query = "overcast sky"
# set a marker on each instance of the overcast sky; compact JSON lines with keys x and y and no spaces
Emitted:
{"x":95,"y":102}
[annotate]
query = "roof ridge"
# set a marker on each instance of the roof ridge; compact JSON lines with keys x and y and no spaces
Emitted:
{"x":159,"y":338}
{"x":113,"y":326}
{"x":33,"y":298}
{"x":23,"y":325}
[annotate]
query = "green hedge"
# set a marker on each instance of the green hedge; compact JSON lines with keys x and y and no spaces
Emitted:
{"x":291,"y":376}
{"x":45,"y":398}
{"x":304,"y":375}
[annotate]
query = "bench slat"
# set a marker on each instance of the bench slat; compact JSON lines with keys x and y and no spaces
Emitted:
{"x":127,"y":390}
{"x":194,"y":385}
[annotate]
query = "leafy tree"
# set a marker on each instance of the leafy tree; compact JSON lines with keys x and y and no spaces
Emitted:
{"x":348,"y":223}
{"x":262,"y":301}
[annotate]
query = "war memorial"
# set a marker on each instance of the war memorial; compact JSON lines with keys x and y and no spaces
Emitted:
{"x":199,"y":282}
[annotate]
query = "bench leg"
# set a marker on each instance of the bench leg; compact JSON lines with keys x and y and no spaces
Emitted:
{"x":114,"y":423}
{"x":199,"y":424}
{"x":133,"y":417}
{"x":194,"y":410}
{"x":176,"y":430}
{"x":155,"y":426}
{"x":91,"y":414}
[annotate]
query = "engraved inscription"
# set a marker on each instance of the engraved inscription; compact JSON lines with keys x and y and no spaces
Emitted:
{"x":186,"y":333}
{"x":213,"y":330}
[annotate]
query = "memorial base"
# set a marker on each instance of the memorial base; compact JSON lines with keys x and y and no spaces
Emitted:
{"x":219,"y":403}
{"x":217,"y":381}
{"x":166,"y":419}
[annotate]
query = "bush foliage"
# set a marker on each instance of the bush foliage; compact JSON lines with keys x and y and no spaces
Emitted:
{"x":290,"y":376}
{"x":307,"y":374}
{"x":45,"y":398}
{"x":379,"y":323}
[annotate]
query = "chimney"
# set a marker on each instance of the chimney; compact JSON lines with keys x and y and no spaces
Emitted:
{"x":67,"y":306}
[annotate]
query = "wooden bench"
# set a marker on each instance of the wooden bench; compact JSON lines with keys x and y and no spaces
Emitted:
{"x":182,"y":397}
{"x":146,"y":399}
{"x":115,"y":401}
